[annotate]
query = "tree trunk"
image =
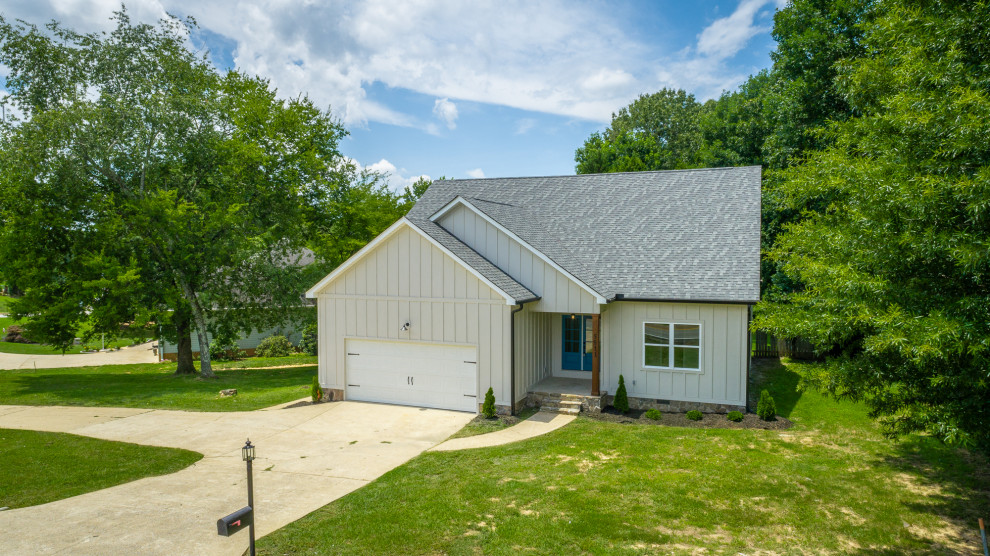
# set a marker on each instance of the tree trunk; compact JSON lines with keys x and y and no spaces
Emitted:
{"x":183,"y":330}
{"x":199,"y":317}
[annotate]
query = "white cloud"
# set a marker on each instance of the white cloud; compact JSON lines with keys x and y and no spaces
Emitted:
{"x":523,"y":125}
{"x":382,"y":167}
{"x":564,"y":57}
{"x":446,"y":111}
{"x":395,"y":177}
{"x":727,"y":36}
{"x":476,"y":173}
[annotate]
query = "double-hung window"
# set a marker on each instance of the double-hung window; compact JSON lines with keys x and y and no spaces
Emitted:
{"x":672,"y":346}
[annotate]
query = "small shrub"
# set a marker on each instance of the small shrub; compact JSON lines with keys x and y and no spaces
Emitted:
{"x":621,"y":400}
{"x":316,"y":391}
{"x":488,"y":408}
{"x":274,"y":346}
{"x":734,"y":416}
{"x":308,"y":344}
{"x":222,"y":349}
{"x":694,"y":415}
{"x":766,"y":408}
{"x":16,"y":334}
{"x":653,"y":413}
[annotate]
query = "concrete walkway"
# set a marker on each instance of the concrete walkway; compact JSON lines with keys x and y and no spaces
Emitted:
{"x":539,"y":424}
{"x":140,"y":353}
{"x":307,"y":456}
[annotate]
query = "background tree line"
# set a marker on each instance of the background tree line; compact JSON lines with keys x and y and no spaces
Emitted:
{"x":871,"y":127}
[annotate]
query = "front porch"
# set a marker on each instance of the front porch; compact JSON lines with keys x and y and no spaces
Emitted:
{"x":565,"y":395}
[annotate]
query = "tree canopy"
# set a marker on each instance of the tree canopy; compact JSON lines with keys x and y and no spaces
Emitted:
{"x":141,"y":182}
{"x":894,"y":270}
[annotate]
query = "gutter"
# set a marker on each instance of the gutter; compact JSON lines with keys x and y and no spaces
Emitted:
{"x":622,"y":297}
{"x":512,"y":356}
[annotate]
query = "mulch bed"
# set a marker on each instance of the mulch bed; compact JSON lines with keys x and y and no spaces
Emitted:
{"x":507,"y":420}
{"x":708,"y":421}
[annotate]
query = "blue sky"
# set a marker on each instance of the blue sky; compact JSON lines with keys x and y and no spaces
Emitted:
{"x":464,"y":89}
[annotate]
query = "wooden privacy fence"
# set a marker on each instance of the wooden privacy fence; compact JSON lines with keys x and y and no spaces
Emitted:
{"x":768,"y":345}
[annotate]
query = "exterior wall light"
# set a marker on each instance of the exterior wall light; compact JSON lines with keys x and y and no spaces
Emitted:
{"x":404,"y":327}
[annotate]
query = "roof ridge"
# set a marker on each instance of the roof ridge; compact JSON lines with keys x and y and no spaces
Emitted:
{"x":671,"y":171}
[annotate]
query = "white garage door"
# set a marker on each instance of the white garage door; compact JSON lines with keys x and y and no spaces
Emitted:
{"x":410,"y":373}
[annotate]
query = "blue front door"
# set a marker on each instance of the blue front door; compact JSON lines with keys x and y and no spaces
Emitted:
{"x":576,"y":343}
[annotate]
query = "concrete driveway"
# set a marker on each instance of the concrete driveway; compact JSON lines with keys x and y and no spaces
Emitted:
{"x":141,"y":353}
{"x":307,"y":456}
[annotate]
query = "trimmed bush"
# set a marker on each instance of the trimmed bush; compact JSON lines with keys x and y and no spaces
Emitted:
{"x":274,"y":346}
{"x":225,"y":350}
{"x":621,"y":400}
{"x":653,"y":413}
{"x":766,"y":408}
{"x":308,"y":343}
{"x":488,"y":408}
{"x":734,"y":416}
{"x":316,"y":391}
{"x":694,"y":415}
{"x":16,"y":334}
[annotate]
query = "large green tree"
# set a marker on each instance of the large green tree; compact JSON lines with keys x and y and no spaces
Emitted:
{"x":138,"y":179}
{"x":895,"y":266}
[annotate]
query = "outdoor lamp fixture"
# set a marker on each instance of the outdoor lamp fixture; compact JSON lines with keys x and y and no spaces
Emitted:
{"x":572,"y":316}
{"x":404,"y":327}
{"x":247,"y":452}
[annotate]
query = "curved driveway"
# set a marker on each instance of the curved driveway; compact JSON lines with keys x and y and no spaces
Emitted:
{"x":140,"y":353}
{"x":307,"y":456}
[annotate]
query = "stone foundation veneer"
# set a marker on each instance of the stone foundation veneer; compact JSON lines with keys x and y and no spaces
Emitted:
{"x":333,"y":394}
{"x":678,"y":406}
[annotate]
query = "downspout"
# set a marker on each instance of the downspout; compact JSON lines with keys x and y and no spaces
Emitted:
{"x":749,"y":353}
{"x":512,"y":358}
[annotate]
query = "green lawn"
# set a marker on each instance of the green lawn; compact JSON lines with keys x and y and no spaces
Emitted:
{"x":41,"y":349}
{"x":153,"y":385}
{"x":480,"y":425}
{"x":830,"y":484}
{"x":63,"y":465}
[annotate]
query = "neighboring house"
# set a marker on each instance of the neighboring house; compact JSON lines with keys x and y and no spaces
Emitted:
{"x":537,"y":287}
{"x":248,"y":342}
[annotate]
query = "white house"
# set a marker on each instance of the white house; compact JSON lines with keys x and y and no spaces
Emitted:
{"x":540,"y":287}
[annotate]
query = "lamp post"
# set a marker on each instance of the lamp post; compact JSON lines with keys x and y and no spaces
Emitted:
{"x":247,"y":454}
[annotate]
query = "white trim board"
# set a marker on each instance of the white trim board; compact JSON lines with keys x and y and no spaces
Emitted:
{"x":462,"y":201}
{"x":311,"y":293}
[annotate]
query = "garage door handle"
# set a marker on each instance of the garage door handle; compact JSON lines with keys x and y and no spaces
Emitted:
{"x":472,"y":362}
{"x":358,"y":385}
{"x":353,"y":354}
{"x":470,"y":396}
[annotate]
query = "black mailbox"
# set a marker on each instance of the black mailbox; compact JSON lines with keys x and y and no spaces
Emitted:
{"x":241,"y":519}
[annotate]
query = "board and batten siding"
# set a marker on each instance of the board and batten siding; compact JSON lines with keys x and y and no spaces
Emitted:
{"x":408,"y":279}
{"x":533,"y":348}
{"x":557,"y":292}
{"x":722,"y":378}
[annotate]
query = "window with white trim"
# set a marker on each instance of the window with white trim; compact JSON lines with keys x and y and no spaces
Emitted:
{"x":669,"y":345}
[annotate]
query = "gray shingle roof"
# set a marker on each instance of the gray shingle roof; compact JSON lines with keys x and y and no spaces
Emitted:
{"x":685,"y":235}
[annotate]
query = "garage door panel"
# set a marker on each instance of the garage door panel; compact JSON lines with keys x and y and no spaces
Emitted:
{"x":380,"y":371}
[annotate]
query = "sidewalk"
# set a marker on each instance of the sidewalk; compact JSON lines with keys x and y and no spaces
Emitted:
{"x":537,"y":425}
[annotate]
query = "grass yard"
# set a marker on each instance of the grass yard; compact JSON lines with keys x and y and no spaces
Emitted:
{"x":480,"y":425}
{"x":830,"y":484}
{"x":40,"y":467}
{"x":259,"y":383}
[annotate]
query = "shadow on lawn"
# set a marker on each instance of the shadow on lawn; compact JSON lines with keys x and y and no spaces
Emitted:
{"x":954,"y":484}
{"x":782,"y":383}
{"x":122,"y":387}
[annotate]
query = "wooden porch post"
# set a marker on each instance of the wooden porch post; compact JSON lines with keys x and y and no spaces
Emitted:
{"x":596,"y":354}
